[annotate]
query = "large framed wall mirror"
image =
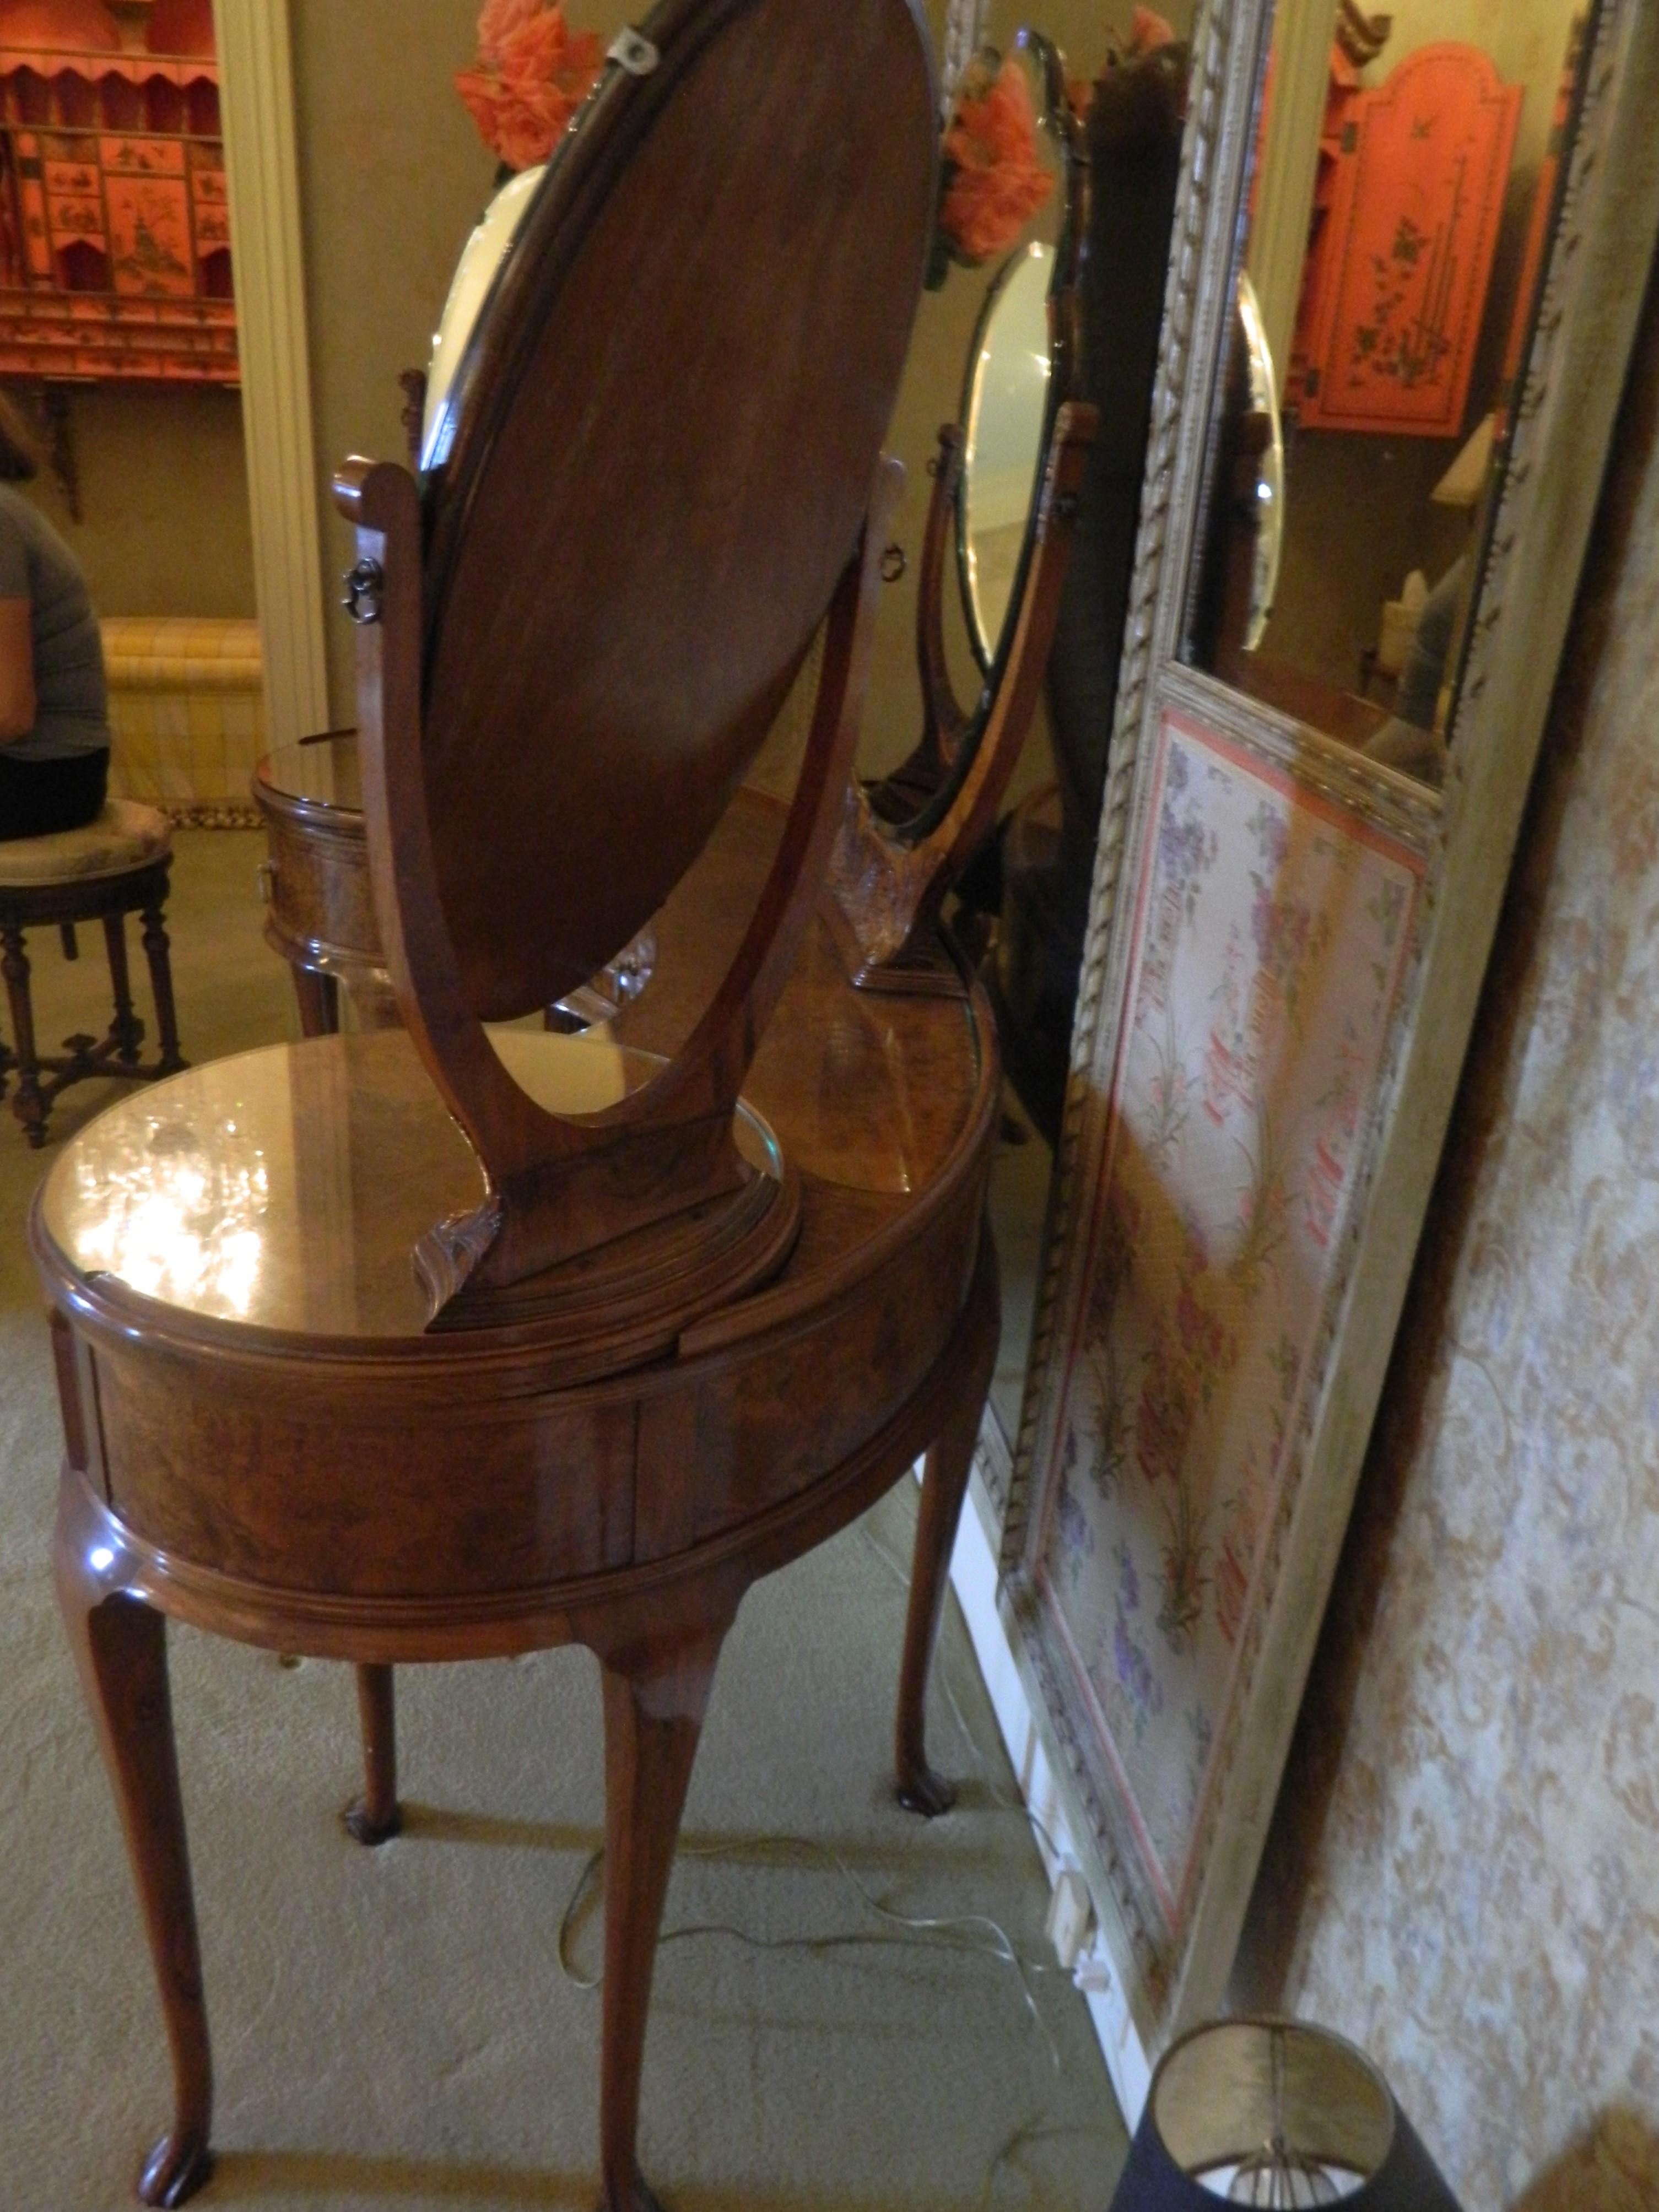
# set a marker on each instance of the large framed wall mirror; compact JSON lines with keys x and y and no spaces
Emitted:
{"x":1250,"y":869}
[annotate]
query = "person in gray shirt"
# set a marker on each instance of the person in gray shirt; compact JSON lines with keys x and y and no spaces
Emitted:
{"x":54,"y":708}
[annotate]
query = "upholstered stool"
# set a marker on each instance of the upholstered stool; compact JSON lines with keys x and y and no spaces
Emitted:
{"x":115,"y":866}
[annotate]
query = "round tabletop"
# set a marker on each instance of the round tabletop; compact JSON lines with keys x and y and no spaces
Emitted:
{"x":320,"y":771}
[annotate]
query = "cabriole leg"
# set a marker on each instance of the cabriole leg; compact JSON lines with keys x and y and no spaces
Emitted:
{"x":120,"y":1649}
{"x":377,"y":1816}
{"x":654,"y":1704}
{"x":943,"y":1486}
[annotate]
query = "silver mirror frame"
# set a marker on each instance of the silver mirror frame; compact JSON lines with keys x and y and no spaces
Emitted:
{"x":1601,"y":246}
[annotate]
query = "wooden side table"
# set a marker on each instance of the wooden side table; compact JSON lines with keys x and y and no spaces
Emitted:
{"x":320,"y":907}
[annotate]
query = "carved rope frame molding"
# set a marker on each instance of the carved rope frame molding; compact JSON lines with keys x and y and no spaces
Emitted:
{"x":257,"y":92}
{"x":1599,"y":252}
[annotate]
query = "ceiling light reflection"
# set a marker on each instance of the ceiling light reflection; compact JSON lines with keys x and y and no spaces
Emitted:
{"x":171,"y":1215}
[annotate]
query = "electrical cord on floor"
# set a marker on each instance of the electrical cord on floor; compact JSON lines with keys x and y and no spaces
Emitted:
{"x":933,"y":1931}
{"x":939,"y":1931}
{"x":1034,"y":2128}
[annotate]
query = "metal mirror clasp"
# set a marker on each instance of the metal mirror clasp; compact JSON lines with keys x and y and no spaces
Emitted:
{"x":632,"y":50}
{"x":363,"y":587}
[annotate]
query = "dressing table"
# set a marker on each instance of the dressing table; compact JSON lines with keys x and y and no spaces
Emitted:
{"x":463,"y":1337}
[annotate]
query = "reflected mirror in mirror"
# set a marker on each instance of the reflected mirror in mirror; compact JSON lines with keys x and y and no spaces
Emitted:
{"x":1127,"y":74}
{"x":1005,"y":419}
{"x":1407,"y":167}
{"x":992,"y":358}
{"x":1024,"y":907}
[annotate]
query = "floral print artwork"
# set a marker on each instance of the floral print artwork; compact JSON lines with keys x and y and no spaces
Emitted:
{"x":1269,"y":935}
{"x":1416,"y":200}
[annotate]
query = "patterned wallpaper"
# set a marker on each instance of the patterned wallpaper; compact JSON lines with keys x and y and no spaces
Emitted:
{"x":1463,"y":1873}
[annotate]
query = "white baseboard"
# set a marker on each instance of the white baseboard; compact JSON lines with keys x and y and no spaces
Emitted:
{"x":973,"y":1577}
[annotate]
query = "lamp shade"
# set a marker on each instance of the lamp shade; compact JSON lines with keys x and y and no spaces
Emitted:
{"x":1274,"y":2112}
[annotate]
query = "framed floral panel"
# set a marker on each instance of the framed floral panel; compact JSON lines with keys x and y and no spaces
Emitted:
{"x":1269,"y":933}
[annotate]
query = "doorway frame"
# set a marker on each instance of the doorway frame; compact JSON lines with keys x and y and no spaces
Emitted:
{"x":268,"y":255}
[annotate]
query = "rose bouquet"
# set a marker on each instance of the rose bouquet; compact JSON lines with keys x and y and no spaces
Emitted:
{"x":531,"y":76}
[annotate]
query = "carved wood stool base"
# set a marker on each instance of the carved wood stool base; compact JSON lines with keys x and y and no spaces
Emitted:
{"x":42,"y":1078}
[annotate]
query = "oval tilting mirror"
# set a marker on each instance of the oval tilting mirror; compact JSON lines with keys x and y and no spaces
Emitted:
{"x":1004,"y":416}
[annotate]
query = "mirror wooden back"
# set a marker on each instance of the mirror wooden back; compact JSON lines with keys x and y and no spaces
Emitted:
{"x":663,"y":462}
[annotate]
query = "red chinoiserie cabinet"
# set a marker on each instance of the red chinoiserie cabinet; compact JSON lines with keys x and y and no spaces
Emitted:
{"x":114,"y":227}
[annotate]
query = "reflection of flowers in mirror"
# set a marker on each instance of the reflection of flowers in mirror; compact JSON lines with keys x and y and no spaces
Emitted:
{"x":531,"y":76}
{"x":991,"y":182}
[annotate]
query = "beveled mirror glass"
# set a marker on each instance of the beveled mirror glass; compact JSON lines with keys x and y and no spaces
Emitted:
{"x":1004,"y":419}
{"x":477,"y":273}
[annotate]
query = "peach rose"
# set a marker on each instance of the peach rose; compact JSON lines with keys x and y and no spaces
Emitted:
{"x":530,"y":77}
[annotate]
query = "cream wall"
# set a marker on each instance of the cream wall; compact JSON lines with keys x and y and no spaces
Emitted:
{"x":164,"y":522}
{"x":1463,"y":1873}
{"x":392,"y":176}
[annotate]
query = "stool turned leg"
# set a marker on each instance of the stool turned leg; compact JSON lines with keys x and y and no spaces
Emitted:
{"x":654,"y":1703}
{"x":376,"y":1816}
{"x":943,"y":1486}
{"x":160,"y":981}
{"x":120,"y":1649}
{"x":28,"y":1105}
{"x":126,"y":1029}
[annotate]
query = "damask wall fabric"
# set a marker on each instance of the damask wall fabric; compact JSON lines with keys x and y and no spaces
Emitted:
{"x":1268,"y":937}
{"x":1463,"y":1873}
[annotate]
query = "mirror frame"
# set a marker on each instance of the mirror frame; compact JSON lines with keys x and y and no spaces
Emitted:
{"x":1007,"y":277}
{"x":1600,"y":250}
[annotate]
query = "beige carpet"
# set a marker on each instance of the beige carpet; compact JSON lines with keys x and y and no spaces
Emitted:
{"x":394,"y":2028}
